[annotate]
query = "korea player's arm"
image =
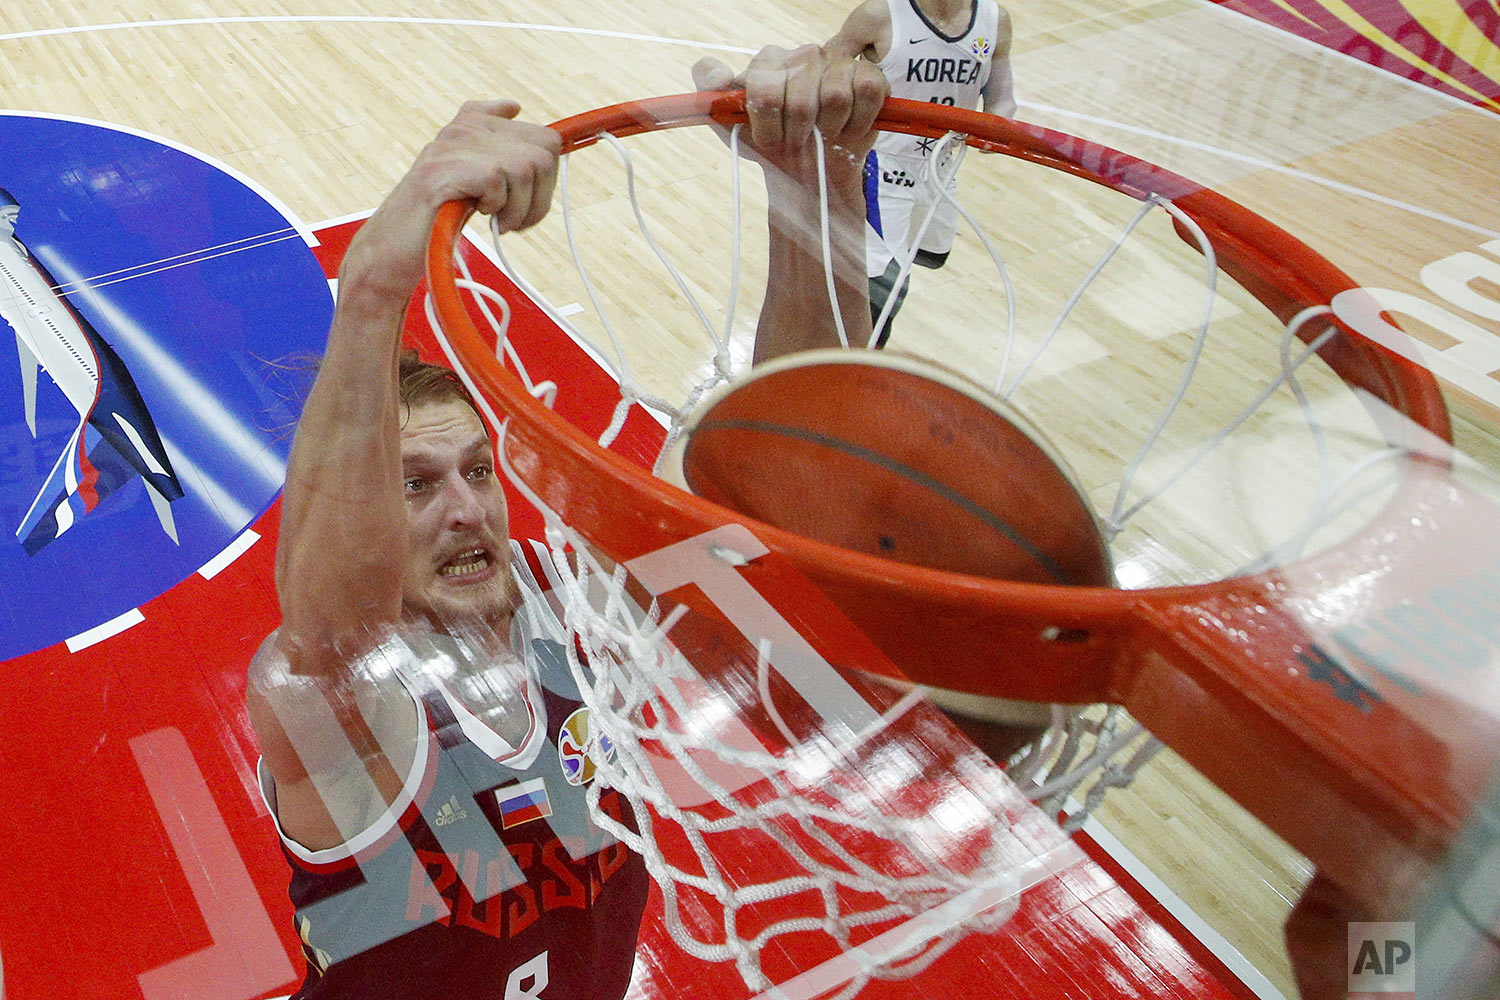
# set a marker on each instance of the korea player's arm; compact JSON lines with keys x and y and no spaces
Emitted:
{"x":866,"y":33}
{"x":999,"y":92}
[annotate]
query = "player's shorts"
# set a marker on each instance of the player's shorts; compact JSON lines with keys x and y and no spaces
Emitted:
{"x":896,"y":204}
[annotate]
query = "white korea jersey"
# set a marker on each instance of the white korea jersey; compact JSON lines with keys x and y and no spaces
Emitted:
{"x":926,"y":65}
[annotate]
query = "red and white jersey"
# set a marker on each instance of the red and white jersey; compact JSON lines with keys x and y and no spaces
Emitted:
{"x":487,"y":878}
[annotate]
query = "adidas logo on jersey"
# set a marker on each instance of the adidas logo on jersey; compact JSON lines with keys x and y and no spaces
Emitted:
{"x":451,"y":812}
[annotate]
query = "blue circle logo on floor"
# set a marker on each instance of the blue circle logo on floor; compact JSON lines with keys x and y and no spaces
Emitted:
{"x":161,"y":312}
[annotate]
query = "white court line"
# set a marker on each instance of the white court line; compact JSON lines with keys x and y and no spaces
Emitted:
{"x":454,"y":22}
{"x":220,"y":562}
{"x":664,"y":40}
{"x":342,"y":220}
{"x":1281,"y":34}
{"x":156,"y":267}
{"x":1263,"y":164}
{"x":162,"y":263}
{"x":97,"y":634}
{"x":1184,"y":914}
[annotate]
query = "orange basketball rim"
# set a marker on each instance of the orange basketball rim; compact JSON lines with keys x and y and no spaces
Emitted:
{"x":1371,"y":780}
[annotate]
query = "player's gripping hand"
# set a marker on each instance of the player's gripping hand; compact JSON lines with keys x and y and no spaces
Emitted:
{"x":788,"y":92}
{"x":507,"y":168}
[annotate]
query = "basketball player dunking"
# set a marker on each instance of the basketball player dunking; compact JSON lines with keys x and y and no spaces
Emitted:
{"x":424,"y":751}
{"x":950,"y":52}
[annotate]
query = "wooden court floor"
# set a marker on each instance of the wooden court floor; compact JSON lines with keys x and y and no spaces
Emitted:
{"x":323,"y":104}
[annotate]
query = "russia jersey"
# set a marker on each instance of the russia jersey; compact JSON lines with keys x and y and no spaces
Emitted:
{"x":487,"y":878}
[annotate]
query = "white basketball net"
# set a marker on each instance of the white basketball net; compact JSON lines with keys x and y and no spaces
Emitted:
{"x":811,"y":801}
{"x":854,"y":857}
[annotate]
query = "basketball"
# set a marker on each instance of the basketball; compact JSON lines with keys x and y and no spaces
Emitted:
{"x":897,"y":458}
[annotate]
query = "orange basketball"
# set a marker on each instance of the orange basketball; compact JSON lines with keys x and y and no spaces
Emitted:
{"x":891,"y":456}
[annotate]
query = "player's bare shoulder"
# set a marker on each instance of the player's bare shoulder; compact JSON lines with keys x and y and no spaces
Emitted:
{"x":1002,"y":31}
{"x":306,"y":725}
{"x":866,"y":33}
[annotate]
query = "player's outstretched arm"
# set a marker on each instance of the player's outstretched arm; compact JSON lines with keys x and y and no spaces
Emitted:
{"x":336,"y":729}
{"x":343,"y":530}
{"x":786,"y":94}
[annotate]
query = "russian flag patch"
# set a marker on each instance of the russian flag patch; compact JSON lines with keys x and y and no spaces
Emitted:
{"x":522,"y":801}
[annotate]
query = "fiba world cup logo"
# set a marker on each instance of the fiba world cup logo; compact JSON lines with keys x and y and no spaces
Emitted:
{"x":981,"y":47}
{"x":578,"y":751}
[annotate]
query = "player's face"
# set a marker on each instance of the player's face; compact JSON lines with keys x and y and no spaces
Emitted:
{"x":458,"y":552}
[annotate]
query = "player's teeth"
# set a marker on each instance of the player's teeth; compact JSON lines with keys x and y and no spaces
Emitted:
{"x":470,"y":564}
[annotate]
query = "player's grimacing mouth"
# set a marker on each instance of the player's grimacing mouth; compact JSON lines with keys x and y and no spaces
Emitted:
{"x":471,"y":565}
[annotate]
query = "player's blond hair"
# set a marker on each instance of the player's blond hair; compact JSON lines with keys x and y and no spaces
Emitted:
{"x":421,"y":382}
